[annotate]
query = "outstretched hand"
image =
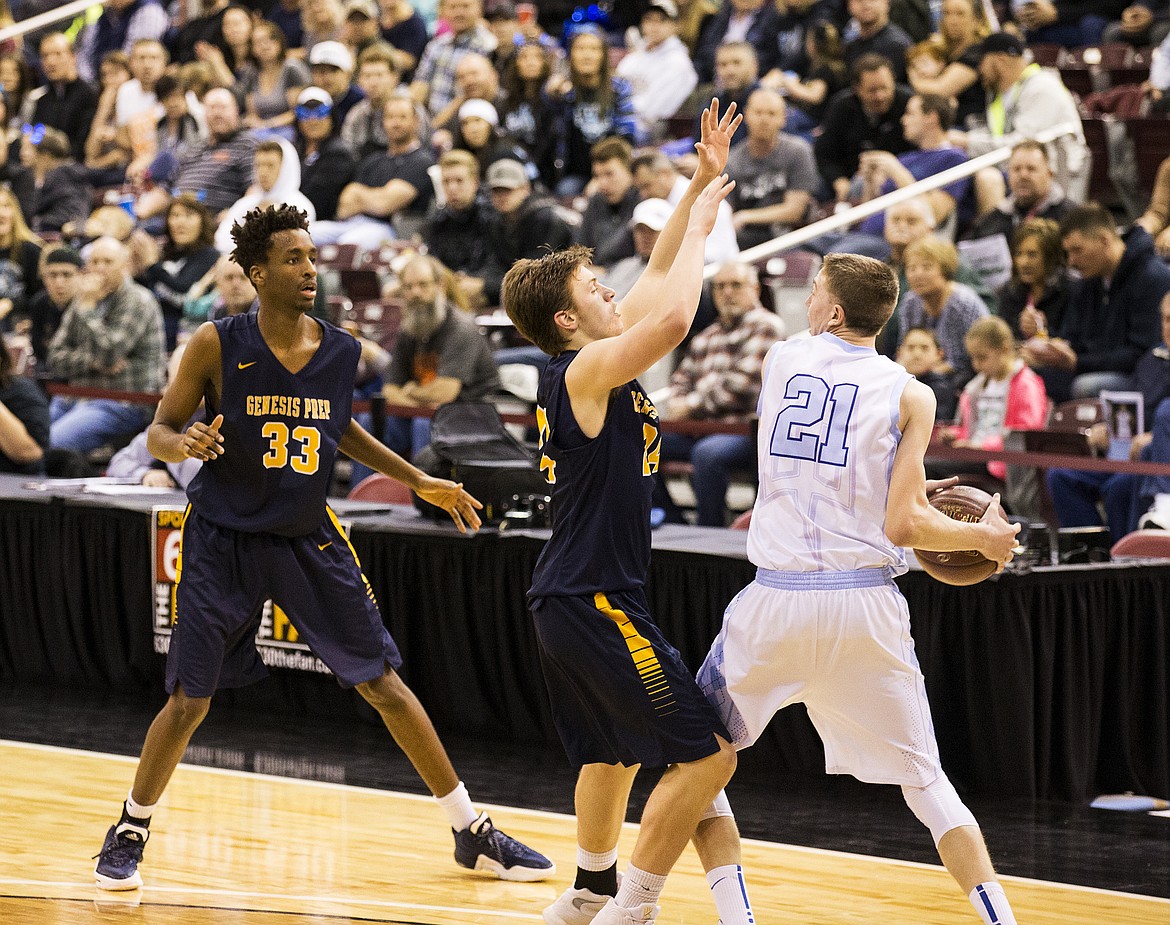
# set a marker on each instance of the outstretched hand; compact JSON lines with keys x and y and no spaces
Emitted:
{"x":706,"y":207}
{"x":204,"y":441}
{"x":714,"y":142}
{"x":451,"y":497}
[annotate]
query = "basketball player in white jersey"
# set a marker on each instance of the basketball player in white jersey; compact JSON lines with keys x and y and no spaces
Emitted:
{"x":842,"y":436}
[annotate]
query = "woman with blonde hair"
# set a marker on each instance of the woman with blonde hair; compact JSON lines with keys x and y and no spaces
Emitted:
{"x":20,"y":254}
{"x":963,"y":24}
{"x":940,"y":304}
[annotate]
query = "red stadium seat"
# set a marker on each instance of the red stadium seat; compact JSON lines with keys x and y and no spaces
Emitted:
{"x":1143,"y":544}
{"x":1151,"y":143}
{"x":1047,"y":55}
{"x":1100,"y":185}
{"x":337,"y":256}
{"x":743,"y":521}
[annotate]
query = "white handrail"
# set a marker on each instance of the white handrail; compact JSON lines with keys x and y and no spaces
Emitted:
{"x":68,"y":11}
{"x":792,"y":239}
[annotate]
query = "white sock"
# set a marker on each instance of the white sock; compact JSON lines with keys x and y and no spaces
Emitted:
{"x":594,"y":860}
{"x":137,"y":810}
{"x":457,"y":805}
{"x":730,"y":893}
{"x":991,"y":903}
{"x":639,"y":887}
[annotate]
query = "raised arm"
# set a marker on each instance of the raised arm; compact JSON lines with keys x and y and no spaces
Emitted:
{"x":713,"y":147}
{"x":603,"y":365}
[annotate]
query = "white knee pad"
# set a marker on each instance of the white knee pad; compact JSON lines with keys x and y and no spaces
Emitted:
{"x":719,"y":807}
{"x":938,"y":807}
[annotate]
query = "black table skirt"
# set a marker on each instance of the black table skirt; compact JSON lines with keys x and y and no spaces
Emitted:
{"x":1050,"y":685}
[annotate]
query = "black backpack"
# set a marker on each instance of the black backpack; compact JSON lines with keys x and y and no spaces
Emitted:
{"x":470,"y":444}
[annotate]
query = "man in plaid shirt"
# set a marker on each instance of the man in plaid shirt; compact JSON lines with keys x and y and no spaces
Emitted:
{"x":111,"y":337}
{"x":434,"y":80}
{"x":719,"y":380}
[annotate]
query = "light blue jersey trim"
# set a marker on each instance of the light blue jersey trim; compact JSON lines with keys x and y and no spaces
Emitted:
{"x":825,"y":581}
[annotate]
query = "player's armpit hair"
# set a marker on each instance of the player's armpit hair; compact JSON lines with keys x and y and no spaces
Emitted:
{"x":253,"y":235}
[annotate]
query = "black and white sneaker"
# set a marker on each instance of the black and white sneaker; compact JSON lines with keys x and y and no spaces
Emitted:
{"x":483,"y":847}
{"x":117,"y":866}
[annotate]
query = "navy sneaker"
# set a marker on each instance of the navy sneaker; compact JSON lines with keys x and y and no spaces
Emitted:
{"x":483,"y":847}
{"x":117,"y":866}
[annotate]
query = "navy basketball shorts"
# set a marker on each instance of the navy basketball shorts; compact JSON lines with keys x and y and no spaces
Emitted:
{"x":226,"y":575}
{"x":620,"y":692}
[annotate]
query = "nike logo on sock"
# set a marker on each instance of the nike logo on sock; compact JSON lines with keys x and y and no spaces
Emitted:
{"x":246,"y":365}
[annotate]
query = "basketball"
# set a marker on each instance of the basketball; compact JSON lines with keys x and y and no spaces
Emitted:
{"x":965,"y":567}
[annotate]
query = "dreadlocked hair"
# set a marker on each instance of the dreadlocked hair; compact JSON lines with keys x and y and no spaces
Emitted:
{"x":253,"y":235}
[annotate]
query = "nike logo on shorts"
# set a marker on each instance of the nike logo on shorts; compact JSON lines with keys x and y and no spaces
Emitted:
{"x":246,"y":365}
{"x":326,"y":546}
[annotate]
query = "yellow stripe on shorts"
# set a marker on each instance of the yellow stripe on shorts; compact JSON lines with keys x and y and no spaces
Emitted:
{"x":337,"y":525}
{"x":645,"y":660}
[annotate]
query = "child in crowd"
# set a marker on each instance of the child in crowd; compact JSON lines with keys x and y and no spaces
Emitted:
{"x":1004,"y":395}
{"x":921,"y":356}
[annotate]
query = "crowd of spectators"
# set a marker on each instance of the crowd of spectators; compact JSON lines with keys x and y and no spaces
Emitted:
{"x":137,"y":137}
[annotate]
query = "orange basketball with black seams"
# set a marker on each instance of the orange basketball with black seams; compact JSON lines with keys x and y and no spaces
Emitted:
{"x":964,"y":567}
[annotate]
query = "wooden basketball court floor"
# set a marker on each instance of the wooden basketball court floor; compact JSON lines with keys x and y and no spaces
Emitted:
{"x":238,"y":848}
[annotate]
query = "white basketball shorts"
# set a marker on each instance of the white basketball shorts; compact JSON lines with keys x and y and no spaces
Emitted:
{"x":840,"y":643}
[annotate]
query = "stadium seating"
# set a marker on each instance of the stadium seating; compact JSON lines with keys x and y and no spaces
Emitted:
{"x":1142,"y":544}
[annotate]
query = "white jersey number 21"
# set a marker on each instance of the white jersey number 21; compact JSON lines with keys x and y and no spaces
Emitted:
{"x":803,"y":431}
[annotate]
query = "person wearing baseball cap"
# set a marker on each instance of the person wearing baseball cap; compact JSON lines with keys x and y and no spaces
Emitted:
{"x":1024,"y":99}
{"x":331,"y":65}
{"x":524,"y":224}
{"x":361,"y":29}
{"x":327,"y":162}
{"x":53,"y":188}
{"x":61,"y":274}
{"x":649,"y":218}
{"x":1002,"y":43}
{"x":660,"y":71}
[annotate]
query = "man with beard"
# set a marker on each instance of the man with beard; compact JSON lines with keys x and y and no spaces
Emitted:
{"x":440,"y":357}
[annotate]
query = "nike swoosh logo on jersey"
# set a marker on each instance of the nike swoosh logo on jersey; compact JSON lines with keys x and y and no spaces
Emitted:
{"x":246,"y":365}
{"x":326,"y":546}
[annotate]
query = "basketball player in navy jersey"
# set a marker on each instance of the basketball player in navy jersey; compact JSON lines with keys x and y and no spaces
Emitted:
{"x":842,"y":435}
{"x":278,"y":386}
{"x":621,"y":696}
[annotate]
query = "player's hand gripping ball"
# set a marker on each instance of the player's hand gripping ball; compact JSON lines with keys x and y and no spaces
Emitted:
{"x":966,"y":567}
